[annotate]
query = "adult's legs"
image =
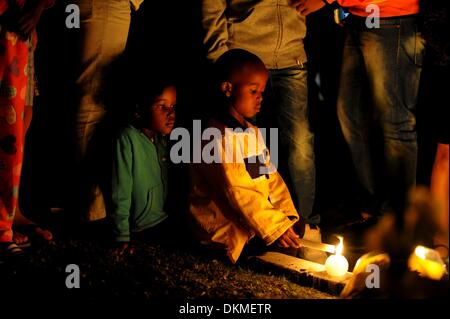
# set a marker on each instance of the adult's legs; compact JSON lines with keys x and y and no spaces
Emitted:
{"x":354,"y":115}
{"x":393,"y":57}
{"x":289,"y":97}
{"x":102,"y":37}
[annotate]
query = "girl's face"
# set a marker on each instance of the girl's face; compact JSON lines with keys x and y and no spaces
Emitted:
{"x":161,"y":115}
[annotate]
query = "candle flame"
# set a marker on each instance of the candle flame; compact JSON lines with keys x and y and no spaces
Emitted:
{"x":421,"y":252}
{"x":340,"y":246}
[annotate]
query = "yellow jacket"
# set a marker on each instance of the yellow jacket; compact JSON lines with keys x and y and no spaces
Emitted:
{"x":234,"y":200}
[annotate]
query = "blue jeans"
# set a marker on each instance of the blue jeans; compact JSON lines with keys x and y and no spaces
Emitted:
{"x":385,"y":63}
{"x":285,"y":106}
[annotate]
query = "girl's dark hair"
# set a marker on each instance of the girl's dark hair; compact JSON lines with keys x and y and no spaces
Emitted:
{"x":147,"y":89}
{"x":126,"y":87}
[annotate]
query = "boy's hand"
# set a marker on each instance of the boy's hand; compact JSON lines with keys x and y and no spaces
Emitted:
{"x":289,"y":239}
{"x":305,"y":7}
{"x":30,"y":18}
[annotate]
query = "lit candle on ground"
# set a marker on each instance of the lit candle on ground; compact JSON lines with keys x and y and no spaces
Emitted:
{"x":427,"y":263}
{"x":337,"y":265}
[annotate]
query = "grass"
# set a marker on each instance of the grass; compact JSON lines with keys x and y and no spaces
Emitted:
{"x":151,"y":272}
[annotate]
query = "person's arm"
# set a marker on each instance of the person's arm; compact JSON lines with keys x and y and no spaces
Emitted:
{"x":351,"y":3}
{"x":49,"y":3}
{"x":306,"y":7}
{"x":3,"y":6}
{"x":439,"y":191}
{"x":215,"y":26}
{"x":121,"y":183}
{"x":46,"y":3}
{"x":31,"y":15}
{"x":233,"y":184}
{"x":280,"y":196}
{"x":281,"y":199}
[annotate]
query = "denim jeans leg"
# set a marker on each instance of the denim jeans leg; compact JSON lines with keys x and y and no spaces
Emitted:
{"x":354,"y":115}
{"x":394,"y":73}
{"x":290,"y":100}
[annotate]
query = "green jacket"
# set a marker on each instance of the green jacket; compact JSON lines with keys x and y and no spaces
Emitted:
{"x":139,"y":182}
{"x":271,"y":29}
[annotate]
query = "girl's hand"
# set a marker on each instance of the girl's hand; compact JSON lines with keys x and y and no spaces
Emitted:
{"x":30,"y":18}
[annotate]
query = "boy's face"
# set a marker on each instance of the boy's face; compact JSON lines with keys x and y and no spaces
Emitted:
{"x":245,"y":93}
{"x":161,"y":117}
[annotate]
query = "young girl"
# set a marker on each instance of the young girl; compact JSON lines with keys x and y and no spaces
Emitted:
{"x":238,"y":198}
{"x":139,"y":174}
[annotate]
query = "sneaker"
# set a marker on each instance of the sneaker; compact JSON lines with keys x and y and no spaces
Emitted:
{"x":312,"y":233}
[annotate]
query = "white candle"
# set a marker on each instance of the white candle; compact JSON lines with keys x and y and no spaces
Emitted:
{"x":337,"y":265}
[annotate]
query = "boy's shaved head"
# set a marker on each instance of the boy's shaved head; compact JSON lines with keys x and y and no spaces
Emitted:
{"x":242,"y":79}
{"x":236,"y":62}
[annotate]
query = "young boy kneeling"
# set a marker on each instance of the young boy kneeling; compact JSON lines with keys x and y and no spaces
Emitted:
{"x":240,"y":194}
